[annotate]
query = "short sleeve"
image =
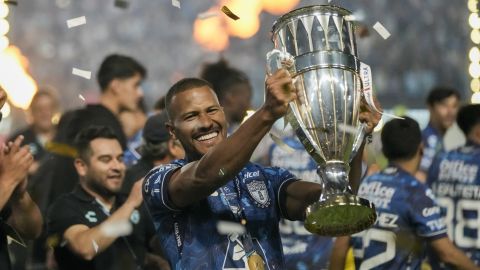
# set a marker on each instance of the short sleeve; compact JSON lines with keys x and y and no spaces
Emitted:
{"x":425,"y":213}
{"x":62,"y":215}
{"x":280,"y":179}
{"x":155,"y":188}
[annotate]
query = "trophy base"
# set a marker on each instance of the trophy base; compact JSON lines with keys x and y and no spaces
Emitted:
{"x":340,"y":215}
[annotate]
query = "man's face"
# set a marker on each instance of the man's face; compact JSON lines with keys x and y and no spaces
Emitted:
{"x":42,"y":111}
{"x":197,"y":120}
{"x":105,"y":169}
{"x":444,"y":113}
{"x":129,"y":92}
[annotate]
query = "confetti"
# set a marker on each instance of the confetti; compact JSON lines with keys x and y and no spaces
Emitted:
{"x":285,"y":147}
{"x":381,"y":30}
{"x":347,"y":128}
{"x":82,"y":73}
{"x":81,"y":97}
{"x":122,"y":4}
{"x":227,"y":227}
{"x":229,"y":13}
{"x":207,"y":15}
{"x":117,"y":228}
{"x":95,"y":246}
{"x":11,"y":2}
{"x":76,"y":21}
{"x":176,"y":3}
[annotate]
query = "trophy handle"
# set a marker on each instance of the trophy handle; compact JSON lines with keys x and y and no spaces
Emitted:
{"x":357,"y":143}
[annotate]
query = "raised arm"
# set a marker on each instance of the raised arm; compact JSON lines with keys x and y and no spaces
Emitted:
{"x":199,"y":179}
{"x":88,"y":242}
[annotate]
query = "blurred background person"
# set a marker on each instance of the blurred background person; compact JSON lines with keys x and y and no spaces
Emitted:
{"x":455,"y":179}
{"x":41,"y":128}
{"x":20,"y":218}
{"x":408,"y":216}
{"x":132,"y":123}
{"x":233,"y":89}
{"x":119,"y":78}
{"x":158,"y":148}
{"x":443,"y":104}
{"x":302,"y":250}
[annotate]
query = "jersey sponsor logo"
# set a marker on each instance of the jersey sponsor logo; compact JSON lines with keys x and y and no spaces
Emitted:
{"x":426,"y":212}
{"x":251,"y":174}
{"x":258,"y":191}
{"x":380,"y":195}
{"x":457,"y":170}
{"x":91,"y":216}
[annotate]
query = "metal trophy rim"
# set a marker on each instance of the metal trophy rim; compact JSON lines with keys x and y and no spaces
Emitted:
{"x":341,"y":200}
{"x":297,"y":13}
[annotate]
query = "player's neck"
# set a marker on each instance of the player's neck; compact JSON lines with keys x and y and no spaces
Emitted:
{"x":110,"y":103}
{"x":410,"y":166}
{"x":438,"y":127}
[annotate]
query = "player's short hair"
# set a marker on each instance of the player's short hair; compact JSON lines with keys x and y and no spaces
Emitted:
{"x":181,"y":86}
{"x":440,"y":93}
{"x":117,"y":66}
{"x":401,"y":138}
{"x":87,"y":135}
{"x":468,"y":116}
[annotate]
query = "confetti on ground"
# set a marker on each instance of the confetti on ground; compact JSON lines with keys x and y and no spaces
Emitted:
{"x":122,"y":3}
{"x":81,"y":97}
{"x":381,"y":30}
{"x":285,"y":147}
{"x":229,"y":13}
{"x":176,"y":3}
{"x":82,"y":73}
{"x":76,"y":22}
{"x":117,"y":228}
{"x":227,"y":227}
{"x":206,"y":15}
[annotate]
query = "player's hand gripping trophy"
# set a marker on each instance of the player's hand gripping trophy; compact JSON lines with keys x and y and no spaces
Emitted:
{"x":317,"y":45}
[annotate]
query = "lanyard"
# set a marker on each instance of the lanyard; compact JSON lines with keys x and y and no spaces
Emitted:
{"x":235,"y":206}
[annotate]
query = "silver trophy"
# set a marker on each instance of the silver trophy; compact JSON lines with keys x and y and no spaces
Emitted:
{"x":317,"y":45}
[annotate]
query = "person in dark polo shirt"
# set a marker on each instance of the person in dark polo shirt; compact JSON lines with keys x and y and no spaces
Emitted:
{"x":90,"y":225}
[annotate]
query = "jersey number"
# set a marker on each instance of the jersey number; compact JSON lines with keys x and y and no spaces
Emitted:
{"x":456,"y":232}
{"x":382,"y":236}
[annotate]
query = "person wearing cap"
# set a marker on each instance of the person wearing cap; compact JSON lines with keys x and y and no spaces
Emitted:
{"x":158,"y":148}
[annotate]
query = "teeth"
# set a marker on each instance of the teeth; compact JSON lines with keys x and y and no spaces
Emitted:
{"x":208,"y":136}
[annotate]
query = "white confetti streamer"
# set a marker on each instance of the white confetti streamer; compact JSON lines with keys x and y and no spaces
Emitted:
{"x":227,"y":227}
{"x":117,"y":228}
{"x":95,"y":246}
{"x":381,"y":30}
{"x":82,"y":73}
{"x":76,"y":21}
{"x":176,"y":3}
{"x":81,"y":97}
{"x":285,"y":147}
{"x":207,"y":15}
{"x":347,"y":128}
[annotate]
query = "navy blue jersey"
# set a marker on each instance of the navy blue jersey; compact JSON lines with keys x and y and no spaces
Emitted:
{"x":455,"y":179}
{"x":189,"y":236}
{"x":432,"y":145}
{"x":303,"y":251}
{"x":407,"y":217}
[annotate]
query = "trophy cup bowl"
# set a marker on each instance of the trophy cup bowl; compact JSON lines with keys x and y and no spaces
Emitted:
{"x":325,"y":68}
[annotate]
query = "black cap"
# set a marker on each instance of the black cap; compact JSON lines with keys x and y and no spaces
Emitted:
{"x":155,"y":130}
